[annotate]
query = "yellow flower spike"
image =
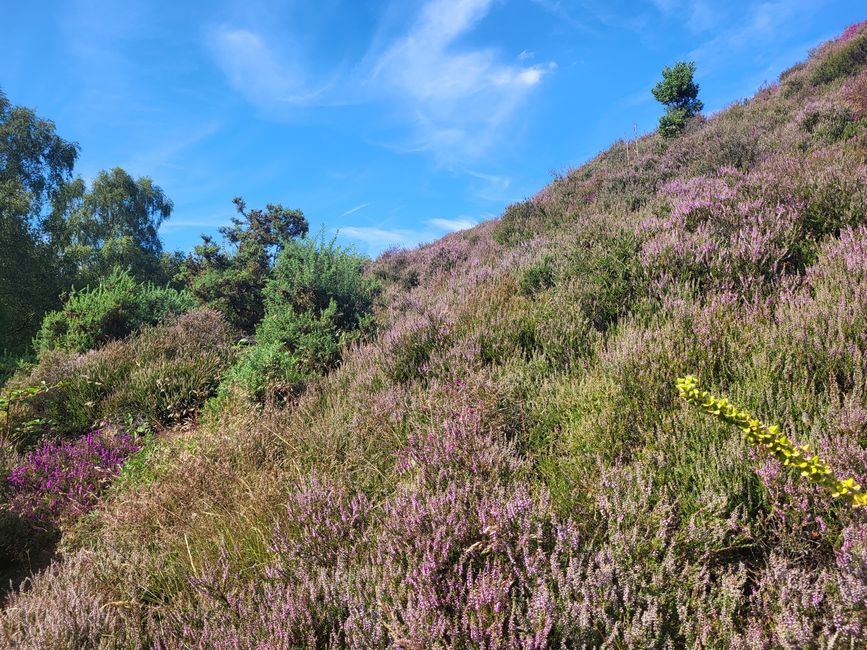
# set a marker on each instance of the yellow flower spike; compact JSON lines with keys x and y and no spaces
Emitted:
{"x":783,"y":449}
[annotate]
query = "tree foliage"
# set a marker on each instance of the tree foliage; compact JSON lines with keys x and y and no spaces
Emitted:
{"x":231,"y":276}
{"x":114,"y":223}
{"x":35,"y":163}
{"x":679,"y":93}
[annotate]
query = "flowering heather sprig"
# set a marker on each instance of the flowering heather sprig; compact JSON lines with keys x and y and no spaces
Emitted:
{"x":63,"y":480}
{"x":850,"y":32}
{"x":760,"y":434}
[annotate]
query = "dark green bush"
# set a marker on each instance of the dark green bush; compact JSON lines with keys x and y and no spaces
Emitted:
{"x":602,"y":274}
{"x":114,"y":309}
{"x":411,"y":350}
{"x":537,"y":277}
{"x":231,"y":276}
{"x":291,"y":349}
{"x":830,"y":124}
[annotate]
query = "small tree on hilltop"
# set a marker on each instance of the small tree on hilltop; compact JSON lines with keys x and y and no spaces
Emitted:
{"x":679,"y":93}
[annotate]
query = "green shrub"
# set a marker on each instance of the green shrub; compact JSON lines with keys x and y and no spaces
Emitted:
{"x":290,"y":350}
{"x":600,"y":271}
{"x":411,"y":348}
{"x":318,"y":298}
{"x":311,"y":273}
{"x":116,"y":308}
{"x":9,"y":363}
{"x":845,"y":60}
{"x":537,"y":277}
{"x":830,"y":124}
{"x":520,"y":222}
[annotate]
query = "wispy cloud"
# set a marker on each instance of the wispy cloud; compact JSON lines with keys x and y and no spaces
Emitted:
{"x":697,"y":15}
{"x":457,"y":99}
{"x":764,"y":23}
{"x":165,"y":153}
{"x":380,"y":237}
{"x":355,"y":209}
{"x":452,"y":225}
{"x":490,"y":187}
{"x":257,"y":70}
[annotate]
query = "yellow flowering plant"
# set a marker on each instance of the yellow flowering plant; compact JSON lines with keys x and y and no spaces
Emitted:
{"x":761,"y":435}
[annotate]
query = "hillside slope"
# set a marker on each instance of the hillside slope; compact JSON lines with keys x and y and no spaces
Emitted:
{"x":506,"y":463}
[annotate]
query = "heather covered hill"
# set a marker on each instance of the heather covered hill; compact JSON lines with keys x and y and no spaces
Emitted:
{"x":479,"y":443}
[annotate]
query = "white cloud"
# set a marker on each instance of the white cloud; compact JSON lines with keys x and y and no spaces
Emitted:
{"x":258,"y":71}
{"x":458,"y":99}
{"x":380,"y":238}
{"x":452,"y":225}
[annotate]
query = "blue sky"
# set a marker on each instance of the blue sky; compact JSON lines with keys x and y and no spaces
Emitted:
{"x":392,"y":121}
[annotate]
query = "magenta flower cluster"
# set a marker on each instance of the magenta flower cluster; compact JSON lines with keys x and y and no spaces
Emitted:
{"x":63,"y":480}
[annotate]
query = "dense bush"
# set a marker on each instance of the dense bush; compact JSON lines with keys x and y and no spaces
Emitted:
{"x":318,"y":299}
{"x":846,"y":56}
{"x":231,"y":277}
{"x":537,"y":277}
{"x":311,"y":273}
{"x":114,"y":309}
{"x":520,"y":222}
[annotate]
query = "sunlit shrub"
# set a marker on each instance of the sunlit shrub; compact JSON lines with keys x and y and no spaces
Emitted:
{"x":114,"y":309}
{"x":318,"y":299}
{"x":845,"y":57}
{"x":520,"y":222}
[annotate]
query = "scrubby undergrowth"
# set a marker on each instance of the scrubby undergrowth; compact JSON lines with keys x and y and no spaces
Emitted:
{"x":507,"y":462}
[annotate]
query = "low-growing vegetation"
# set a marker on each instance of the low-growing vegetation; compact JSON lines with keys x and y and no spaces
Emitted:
{"x":480,"y":443}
